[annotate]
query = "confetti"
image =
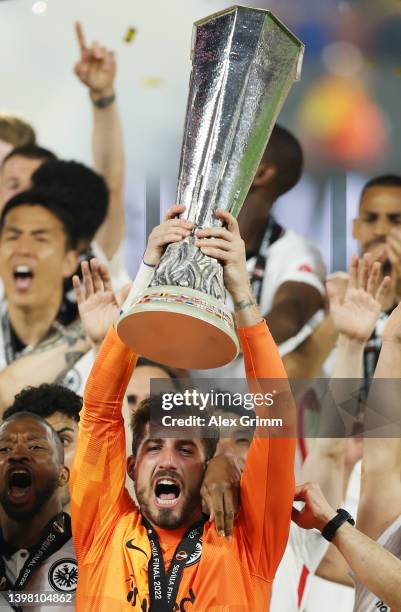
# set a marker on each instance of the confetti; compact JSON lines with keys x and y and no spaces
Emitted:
{"x":151,"y":81}
{"x":130,"y":35}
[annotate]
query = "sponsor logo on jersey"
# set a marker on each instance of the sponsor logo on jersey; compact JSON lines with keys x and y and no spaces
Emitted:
{"x":130,"y":544}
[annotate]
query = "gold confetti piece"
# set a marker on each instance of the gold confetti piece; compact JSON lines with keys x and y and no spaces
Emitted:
{"x":130,"y":35}
{"x":397,"y":71}
{"x":151,"y":81}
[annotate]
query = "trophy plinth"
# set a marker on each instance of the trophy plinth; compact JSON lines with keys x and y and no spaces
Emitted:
{"x":244,"y":62}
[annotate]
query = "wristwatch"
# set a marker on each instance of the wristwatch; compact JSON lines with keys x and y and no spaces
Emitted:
{"x":341,"y":517}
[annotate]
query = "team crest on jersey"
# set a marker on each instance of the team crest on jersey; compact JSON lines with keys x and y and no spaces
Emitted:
{"x":196,"y":555}
{"x":63,"y":575}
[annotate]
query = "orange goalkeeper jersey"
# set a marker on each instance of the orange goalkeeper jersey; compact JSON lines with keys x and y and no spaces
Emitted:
{"x":112,"y":545}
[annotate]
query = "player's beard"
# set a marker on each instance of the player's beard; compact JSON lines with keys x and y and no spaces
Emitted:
{"x":168,"y":518}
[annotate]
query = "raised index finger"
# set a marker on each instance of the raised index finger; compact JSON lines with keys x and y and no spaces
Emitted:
{"x":80,"y":35}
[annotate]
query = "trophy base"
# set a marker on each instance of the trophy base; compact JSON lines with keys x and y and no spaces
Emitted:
{"x":179,"y":327}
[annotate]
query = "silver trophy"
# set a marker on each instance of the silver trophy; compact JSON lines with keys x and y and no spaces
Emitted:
{"x":244,"y":62}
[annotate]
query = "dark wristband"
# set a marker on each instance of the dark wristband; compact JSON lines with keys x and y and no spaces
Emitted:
{"x":104,"y":102}
{"x":341,"y":517}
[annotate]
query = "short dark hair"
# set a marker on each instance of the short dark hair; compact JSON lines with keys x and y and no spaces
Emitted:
{"x":152,"y":406}
{"x":31,"y":151}
{"x":31,"y":415}
{"x":80,"y":189}
{"x":284,"y":151}
{"x":385,"y":180}
{"x":45,"y":400}
{"x":34,"y":197}
{"x":16,"y":130}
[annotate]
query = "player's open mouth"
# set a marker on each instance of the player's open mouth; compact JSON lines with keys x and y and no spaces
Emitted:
{"x":167,"y":492}
{"x":19,"y":485}
{"x":23,"y":277}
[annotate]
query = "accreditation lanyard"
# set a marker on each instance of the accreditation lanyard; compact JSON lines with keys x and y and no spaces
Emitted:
{"x":163,"y":588}
{"x":54,"y":536}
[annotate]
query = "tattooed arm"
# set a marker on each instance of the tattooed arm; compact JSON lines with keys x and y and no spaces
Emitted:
{"x":46,"y":363}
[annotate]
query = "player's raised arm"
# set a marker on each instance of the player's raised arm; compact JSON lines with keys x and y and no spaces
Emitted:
{"x":98,"y":476}
{"x":267,"y":484}
{"x":96,"y":69}
{"x":381,"y":462}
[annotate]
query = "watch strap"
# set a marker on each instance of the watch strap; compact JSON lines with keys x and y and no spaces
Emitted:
{"x":341,"y":517}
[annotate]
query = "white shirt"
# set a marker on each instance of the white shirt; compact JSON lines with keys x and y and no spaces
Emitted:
{"x":57,"y":575}
{"x":290,"y":258}
{"x":304,"y":548}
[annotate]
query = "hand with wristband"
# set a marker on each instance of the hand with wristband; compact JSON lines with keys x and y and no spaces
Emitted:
{"x":377,"y":569}
{"x":317,"y":512}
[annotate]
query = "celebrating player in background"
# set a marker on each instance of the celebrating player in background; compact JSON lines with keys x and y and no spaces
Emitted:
{"x":36,"y":551}
{"x":330,"y":459}
{"x":60,"y":407}
{"x":96,"y":69}
{"x":114,"y":538}
{"x":377,"y":228}
{"x":379,"y":516}
{"x":286,"y":270}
